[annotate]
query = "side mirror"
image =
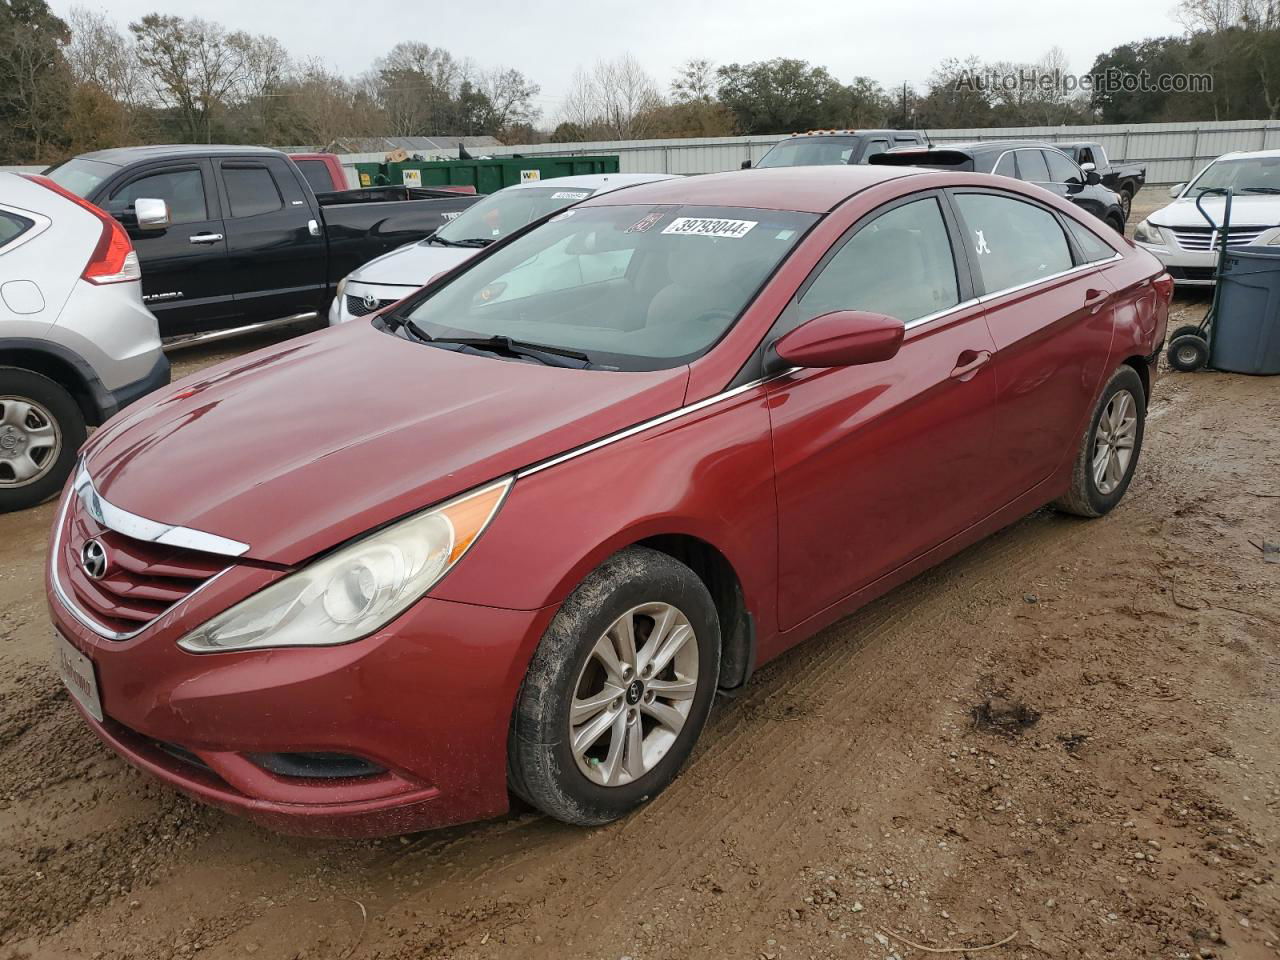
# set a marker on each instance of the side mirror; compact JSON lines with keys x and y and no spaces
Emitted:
{"x":1087,"y":166}
{"x":151,"y":214}
{"x":1175,"y":190}
{"x":844,"y":338}
{"x":746,"y":164}
{"x":1091,"y":177}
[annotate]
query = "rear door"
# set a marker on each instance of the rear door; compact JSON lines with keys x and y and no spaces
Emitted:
{"x":184,"y":265}
{"x":1051,"y":317}
{"x":876,"y":464}
{"x":275,"y":243}
{"x":874,"y":148}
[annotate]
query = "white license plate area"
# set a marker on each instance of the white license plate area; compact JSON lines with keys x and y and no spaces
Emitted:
{"x":76,"y":671}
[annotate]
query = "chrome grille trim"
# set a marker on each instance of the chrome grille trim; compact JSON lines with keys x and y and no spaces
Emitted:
{"x":1203,"y":239}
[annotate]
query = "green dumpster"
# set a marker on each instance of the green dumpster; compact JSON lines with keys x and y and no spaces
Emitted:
{"x":486,"y":176}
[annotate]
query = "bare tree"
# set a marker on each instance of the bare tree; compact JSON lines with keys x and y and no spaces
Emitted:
{"x":615,"y":100}
{"x":192,"y":64}
{"x":100,"y":55}
{"x":695,"y":82}
{"x":510,"y":96}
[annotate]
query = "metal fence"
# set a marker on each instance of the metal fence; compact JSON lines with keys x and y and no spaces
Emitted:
{"x":1173,"y":152}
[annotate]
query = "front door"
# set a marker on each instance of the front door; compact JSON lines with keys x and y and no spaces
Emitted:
{"x":1050,"y":314}
{"x":184,"y":265}
{"x":275,"y":242}
{"x":878,"y":463}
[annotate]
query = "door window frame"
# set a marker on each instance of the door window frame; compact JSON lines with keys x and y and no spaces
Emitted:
{"x":212,"y":204}
{"x":241,"y":163}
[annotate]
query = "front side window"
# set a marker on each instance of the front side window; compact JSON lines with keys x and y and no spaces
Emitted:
{"x":251,"y":190}
{"x":12,"y":227}
{"x":875,"y":148}
{"x":809,"y":152}
{"x":1031,"y":166}
{"x":632,"y":287}
{"x":1061,"y":169}
{"x":1013,"y":242}
{"x":900,"y":265}
{"x":1086,"y":155}
{"x":506,"y":211}
{"x":182,"y":190}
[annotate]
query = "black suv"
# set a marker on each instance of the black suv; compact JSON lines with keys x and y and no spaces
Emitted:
{"x":830,"y":147}
{"x":1038,"y":163}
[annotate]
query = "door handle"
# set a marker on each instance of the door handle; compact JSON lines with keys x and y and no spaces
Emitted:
{"x":205,"y":237}
{"x":969,"y":363}
{"x":1095,"y":298}
{"x":313,"y":228}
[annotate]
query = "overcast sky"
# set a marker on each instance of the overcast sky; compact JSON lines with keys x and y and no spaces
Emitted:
{"x":893,"y":42}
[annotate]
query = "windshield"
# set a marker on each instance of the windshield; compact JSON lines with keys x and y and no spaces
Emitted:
{"x":81,"y":176}
{"x":507,"y":211}
{"x":809,"y":152}
{"x":1247,"y":175}
{"x":632,"y":287}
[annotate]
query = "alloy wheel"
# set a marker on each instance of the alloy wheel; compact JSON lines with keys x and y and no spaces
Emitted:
{"x":1114,"y":440}
{"x":30,"y":441}
{"x":633,"y":694}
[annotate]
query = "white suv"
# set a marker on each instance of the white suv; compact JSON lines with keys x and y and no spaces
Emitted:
{"x":76,"y":342}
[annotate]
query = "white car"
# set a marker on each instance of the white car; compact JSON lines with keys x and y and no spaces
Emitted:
{"x":395,"y":275}
{"x":76,"y":342}
{"x":1185,"y":243}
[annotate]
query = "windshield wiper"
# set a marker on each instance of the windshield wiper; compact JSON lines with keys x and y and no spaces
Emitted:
{"x":445,"y":243}
{"x":474,"y":242}
{"x":552,"y":356}
{"x":1260,"y":190}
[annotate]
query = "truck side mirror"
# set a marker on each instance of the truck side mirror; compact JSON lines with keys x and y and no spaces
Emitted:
{"x":1087,"y":166}
{"x":746,"y":164}
{"x":151,"y":214}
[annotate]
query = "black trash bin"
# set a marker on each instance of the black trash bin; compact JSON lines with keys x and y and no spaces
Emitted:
{"x":1246,"y":326}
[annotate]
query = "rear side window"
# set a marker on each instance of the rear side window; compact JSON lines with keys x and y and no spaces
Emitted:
{"x":874,"y":148}
{"x":1031,"y":166}
{"x":900,"y":265}
{"x":1006,"y":167}
{"x":1013,"y":242}
{"x":12,"y":227}
{"x":251,"y":191}
{"x":316,"y":173}
{"x":1061,"y":170}
{"x":182,"y":190}
{"x":1091,"y":245}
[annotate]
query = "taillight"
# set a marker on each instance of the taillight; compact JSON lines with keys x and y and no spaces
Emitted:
{"x":113,"y":259}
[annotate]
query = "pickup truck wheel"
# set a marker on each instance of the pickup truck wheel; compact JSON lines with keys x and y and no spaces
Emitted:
{"x":1126,"y":202}
{"x":1116,"y":223}
{"x":41,"y":428}
{"x":618,"y":690}
{"x":1109,"y":449}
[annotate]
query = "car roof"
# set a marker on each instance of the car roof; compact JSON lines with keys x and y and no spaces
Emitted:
{"x":122,"y":156}
{"x":1247,"y":155}
{"x":983,"y":146}
{"x":803,"y":189}
{"x":599,"y":182}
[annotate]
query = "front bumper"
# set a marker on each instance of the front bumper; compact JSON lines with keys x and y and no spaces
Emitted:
{"x":380,"y":295}
{"x":426,"y":702}
{"x":1188,"y":268}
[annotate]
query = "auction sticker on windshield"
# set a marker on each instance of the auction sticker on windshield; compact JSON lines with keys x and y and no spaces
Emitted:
{"x":76,"y":671}
{"x":705,"y":227}
{"x":570,"y":195}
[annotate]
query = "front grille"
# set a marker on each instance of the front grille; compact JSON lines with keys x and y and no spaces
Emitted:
{"x":1203,"y":238}
{"x":1191,"y":273}
{"x":141,"y":580}
{"x":358,"y":308}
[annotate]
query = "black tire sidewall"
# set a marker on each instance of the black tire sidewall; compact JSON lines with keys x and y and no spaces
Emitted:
{"x":1178,"y":344}
{"x":1126,"y":378}
{"x":62,"y":406}
{"x":544,"y":770}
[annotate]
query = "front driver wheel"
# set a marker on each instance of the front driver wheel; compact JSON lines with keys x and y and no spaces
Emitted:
{"x":1109,"y":449}
{"x":618,"y":690}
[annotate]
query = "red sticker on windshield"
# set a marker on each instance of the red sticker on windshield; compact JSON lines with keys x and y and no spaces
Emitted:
{"x":640,"y":226}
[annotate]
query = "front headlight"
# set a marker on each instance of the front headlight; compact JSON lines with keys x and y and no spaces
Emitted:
{"x":342,"y":287}
{"x":1148,"y":232}
{"x":357,"y":589}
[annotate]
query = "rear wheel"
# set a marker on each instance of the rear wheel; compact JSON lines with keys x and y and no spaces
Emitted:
{"x":41,"y":428}
{"x":1110,"y":447}
{"x":1126,"y":202}
{"x":1116,"y":223}
{"x":1188,"y":352}
{"x":618,"y":690}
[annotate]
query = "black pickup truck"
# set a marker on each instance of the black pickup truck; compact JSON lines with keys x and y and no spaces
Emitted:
{"x":1125,"y":179}
{"x":234,"y":237}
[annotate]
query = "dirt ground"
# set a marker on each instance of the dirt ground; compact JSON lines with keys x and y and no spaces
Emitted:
{"x":1069,"y":735}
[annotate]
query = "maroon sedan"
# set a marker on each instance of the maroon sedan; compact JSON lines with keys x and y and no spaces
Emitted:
{"x":513,"y":535}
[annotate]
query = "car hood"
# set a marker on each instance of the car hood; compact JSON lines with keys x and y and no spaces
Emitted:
{"x":301,"y":446}
{"x":411,"y":266}
{"x":1246,"y":211}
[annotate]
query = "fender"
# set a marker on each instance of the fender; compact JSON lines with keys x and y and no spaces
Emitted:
{"x":98,"y":403}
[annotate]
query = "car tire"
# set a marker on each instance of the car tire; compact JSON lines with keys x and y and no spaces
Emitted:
{"x":1116,"y":223}
{"x":571,"y":694}
{"x":1110,"y":448}
{"x":1188,"y":353}
{"x":41,"y":430}
{"x":1126,"y":203}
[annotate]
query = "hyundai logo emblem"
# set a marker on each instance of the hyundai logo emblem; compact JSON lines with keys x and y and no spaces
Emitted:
{"x":370,"y":302}
{"x":93,"y":558}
